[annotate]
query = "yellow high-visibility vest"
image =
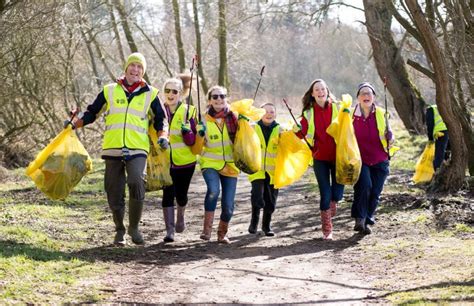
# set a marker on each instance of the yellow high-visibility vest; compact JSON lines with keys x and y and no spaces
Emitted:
{"x":439,"y":124}
{"x":218,"y":149}
{"x":269,"y":152}
{"x":308,"y":114}
{"x":181,"y":153}
{"x":126,"y":124}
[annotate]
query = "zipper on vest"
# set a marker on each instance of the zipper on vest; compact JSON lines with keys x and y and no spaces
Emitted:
{"x":125,"y":121}
{"x":222,"y":140}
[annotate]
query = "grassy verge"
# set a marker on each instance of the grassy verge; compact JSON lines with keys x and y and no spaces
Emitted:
{"x":40,"y":240}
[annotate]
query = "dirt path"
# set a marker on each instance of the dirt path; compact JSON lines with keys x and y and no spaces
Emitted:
{"x":296,"y":266}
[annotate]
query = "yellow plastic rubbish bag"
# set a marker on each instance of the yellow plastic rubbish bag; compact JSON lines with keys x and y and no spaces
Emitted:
{"x":60,"y":166}
{"x":292,"y":159}
{"x":247,"y":150}
{"x":348,"y":160}
{"x":245,"y":108}
{"x":424,"y":168}
{"x":157,"y":165}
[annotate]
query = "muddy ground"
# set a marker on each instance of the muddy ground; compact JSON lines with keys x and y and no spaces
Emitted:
{"x":295,"y":266}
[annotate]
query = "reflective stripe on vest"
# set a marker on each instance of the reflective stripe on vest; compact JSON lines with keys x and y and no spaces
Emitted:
{"x":126,"y":123}
{"x":439,"y":124}
{"x":268,"y":153}
{"x":381,"y":126}
{"x":181,"y":154}
{"x":309,"y":115}
{"x":380,"y":122}
{"x":218,"y":149}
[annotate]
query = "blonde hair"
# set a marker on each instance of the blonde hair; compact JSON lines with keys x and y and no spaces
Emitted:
{"x":175,"y":81}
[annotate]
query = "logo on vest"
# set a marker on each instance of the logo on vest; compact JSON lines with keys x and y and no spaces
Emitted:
{"x":214,"y":137}
{"x":121,"y":101}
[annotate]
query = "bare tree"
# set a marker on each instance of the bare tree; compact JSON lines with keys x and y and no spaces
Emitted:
{"x":451,"y":177}
{"x":116,"y":30}
{"x":390,"y":64}
{"x":223,"y":78}
{"x":179,"y":40}
{"x":197,"y":32}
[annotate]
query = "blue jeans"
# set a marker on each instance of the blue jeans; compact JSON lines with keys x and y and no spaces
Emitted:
{"x":440,"y":149}
{"x":329,"y":190}
{"x":367,"y":190}
{"x":214,"y":181}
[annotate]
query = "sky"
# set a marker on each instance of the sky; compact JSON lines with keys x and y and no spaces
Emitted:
{"x":349,"y":15}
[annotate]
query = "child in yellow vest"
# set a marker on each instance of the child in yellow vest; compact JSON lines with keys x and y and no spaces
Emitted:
{"x":263,"y":194}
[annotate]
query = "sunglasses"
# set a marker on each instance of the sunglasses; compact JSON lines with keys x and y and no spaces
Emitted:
{"x":215,"y":97}
{"x":174,"y":91}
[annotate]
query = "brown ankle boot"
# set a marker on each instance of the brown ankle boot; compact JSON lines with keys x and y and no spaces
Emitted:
{"x":207,"y":226}
{"x":326,"y":224}
{"x":222,"y":232}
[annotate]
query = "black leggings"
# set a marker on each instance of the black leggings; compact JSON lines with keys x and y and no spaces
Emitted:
{"x":179,"y":190}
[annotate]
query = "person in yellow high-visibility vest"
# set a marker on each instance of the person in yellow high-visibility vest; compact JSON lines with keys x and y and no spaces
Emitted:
{"x":319,"y":110}
{"x":374,"y":138}
{"x":264,"y":194}
{"x":182,"y":136}
{"x":214,"y":144}
{"x":437,"y":132}
{"x":129,"y":105}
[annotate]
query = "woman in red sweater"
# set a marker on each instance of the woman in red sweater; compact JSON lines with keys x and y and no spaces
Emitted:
{"x":319,"y":110}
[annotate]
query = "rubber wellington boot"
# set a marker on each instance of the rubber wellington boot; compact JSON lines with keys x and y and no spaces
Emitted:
{"x":254,"y":220}
{"x":207,"y":225}
{"x":180,"y":224}
{"x":359,"y":224}
{"x":168,"y":216}
{"x":266,"y":228}
{"x":134,"y":216}
{"x":326,"y":224}
{"x":118,"y":216}
{"x":222,"y":232}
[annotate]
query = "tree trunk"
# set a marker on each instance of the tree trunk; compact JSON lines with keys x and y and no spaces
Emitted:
{"x":407,"y":99}
{"x":87,"y":41}
{"x":197,"y":31}
{"x":449,"y":178}
{"x":223,"y":78}
{"x":179,"y":40}
{"x":126,"y":29}
{"x":116,"y":31}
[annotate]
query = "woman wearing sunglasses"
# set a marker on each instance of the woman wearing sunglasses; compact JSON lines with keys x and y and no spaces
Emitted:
{"x":319,"y":110}
{"x":214,"y":144}
{"x":182,"y":131}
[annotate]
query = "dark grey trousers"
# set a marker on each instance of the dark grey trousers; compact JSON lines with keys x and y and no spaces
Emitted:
{"x":117,"y":173}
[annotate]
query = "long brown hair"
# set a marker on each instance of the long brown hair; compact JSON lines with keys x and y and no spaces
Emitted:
{"x":308,"y":99}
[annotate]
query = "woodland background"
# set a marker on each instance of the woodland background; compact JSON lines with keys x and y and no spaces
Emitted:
{"x":57,"y":55}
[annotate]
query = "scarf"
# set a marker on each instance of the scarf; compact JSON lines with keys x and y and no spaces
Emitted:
{"x":130,"y":88}
{"x":230,"y":120}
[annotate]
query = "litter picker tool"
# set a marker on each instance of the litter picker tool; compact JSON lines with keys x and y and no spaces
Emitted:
{"x":197,"y":85}
{"x":386,"y":113}
{"x":258,"y":85}
{"x":296,"y":122}
{"x":72,"y":114}
{"x":188,"y":102}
